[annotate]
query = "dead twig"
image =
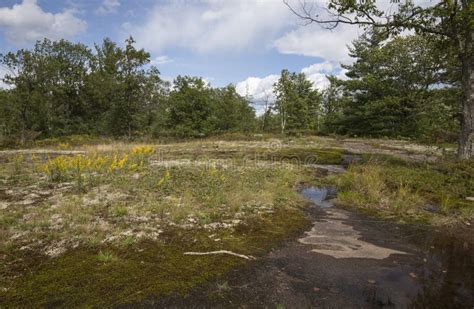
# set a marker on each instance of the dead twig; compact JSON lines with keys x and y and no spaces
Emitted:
{"x":247,"y":257}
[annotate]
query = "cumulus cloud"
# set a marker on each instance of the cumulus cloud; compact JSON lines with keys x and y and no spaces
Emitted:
{"x":316,"y":41}
{"x":317,"y":73}
{"x":108,"y":7}
{"x":257,"y":88}
{"x":311,"y":40}
{"x":211,"y":25}
{"x":260,"y":89}
{"x":27,"y":22}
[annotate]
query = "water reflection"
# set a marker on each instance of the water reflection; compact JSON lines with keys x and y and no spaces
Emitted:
{"x":319,"y":195}
{"x":440,"y":273}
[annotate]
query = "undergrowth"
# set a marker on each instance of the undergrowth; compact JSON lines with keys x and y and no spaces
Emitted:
{"x":426,"y":191}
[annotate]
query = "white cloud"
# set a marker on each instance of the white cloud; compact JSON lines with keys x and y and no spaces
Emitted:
{"x":108,"y":7}
{"x":3,"y":71}
{"x":257,"y":88}
{"x":311,"y":40}
{"x":317,"y":73}
{"x":211,"y":25}
{"x":161,"y":60}
{"x":260,"y":89}
{"x":331,"y":45}
{"x":27,"y":22}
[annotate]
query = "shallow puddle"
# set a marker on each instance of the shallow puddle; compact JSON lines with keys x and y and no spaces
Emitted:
{"x":434,"y":269}
{"x":319,"y":195}
{"x":348,"y":260}
{"x":333,"y":235}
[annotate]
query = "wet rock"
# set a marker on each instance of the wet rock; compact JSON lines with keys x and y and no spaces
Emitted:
{"x":339,"y":239}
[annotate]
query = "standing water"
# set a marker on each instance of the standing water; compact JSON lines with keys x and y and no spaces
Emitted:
{"x":319,"y":195}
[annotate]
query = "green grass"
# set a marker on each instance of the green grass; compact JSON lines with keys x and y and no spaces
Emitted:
{"x":106,"y":257}
{"x":425,"y":191}
{"x":122,"y":238}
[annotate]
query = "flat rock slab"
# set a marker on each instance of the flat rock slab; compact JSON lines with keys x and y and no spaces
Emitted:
{"x":347,"y":260}
{"x":337,"y":238}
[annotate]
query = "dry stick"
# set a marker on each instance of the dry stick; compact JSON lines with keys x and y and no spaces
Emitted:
{"x":247,"y":257}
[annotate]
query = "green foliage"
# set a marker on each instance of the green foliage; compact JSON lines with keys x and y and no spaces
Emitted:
{"x":407,"y":189}
{"x":297,"y":104}
{"x":47,"y":93}
{"x":194,"y":109}
{"x":449,"y":25}
{"x":403,"y":88}
{"x":62,"y":88}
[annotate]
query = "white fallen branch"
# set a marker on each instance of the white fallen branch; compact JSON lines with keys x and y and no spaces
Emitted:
{"x":247,"y":257}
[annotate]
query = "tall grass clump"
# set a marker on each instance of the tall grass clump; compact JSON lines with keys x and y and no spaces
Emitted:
{"x":17,"y":162}
{"x":368,"y":186}
{"x":363,"y":186}
{"x":410,"y":188}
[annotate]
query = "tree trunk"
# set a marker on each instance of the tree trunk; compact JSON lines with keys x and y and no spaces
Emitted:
{"x":466,"y":141}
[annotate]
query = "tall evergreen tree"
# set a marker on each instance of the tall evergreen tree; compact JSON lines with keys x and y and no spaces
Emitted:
{"x":391,"y":88}
{"x":449,"y":23}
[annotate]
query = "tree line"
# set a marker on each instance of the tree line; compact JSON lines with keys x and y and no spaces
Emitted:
{"x":404,"y":87}
{"x":61,"y":88}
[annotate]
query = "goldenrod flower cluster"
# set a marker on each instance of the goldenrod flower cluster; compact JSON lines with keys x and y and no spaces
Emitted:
{"x":118,"y":163}
{"x":143,"y":150}
{"x":164,"y":179}
{"x":64,"y":167}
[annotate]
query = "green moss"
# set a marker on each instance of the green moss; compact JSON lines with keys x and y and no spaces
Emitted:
{"x":107,"y":276}
{"x":307,"y":155}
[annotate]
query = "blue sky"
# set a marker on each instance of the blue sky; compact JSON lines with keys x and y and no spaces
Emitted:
{"x":244,"y":42}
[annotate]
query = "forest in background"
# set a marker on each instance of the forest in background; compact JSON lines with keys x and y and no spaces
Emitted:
{"x":405,"y":87}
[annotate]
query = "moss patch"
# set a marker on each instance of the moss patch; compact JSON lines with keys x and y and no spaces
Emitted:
{"x":84,"y":277}
{"x":307,"y":155}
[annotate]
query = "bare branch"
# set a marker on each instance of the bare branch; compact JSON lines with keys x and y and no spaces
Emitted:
{"x":367,"y":20}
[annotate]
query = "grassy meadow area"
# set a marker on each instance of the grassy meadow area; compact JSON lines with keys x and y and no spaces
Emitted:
{"x":104,"y":224}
